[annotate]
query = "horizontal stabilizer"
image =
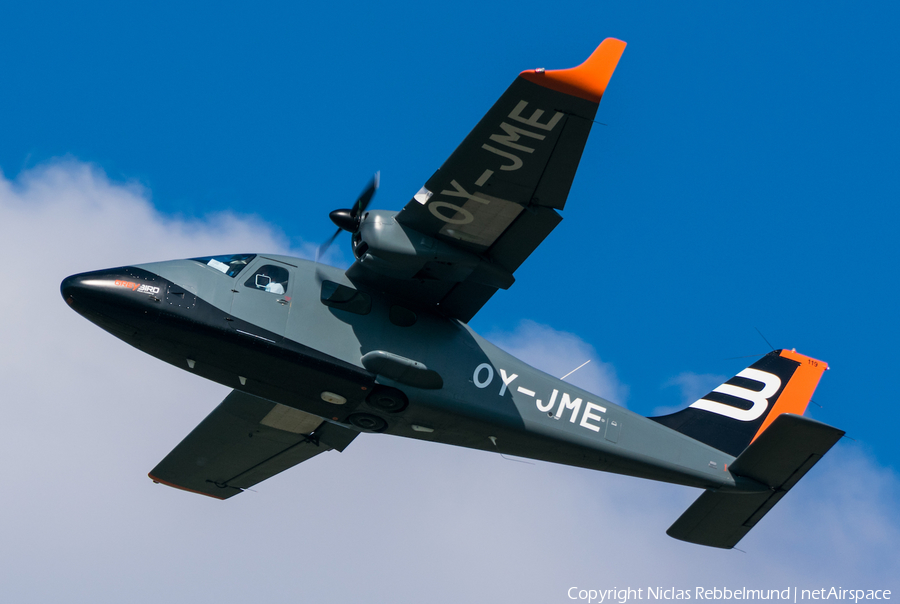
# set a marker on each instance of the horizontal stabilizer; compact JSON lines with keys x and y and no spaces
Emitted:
{"x":246,"y":440}
{"x":778,"y":458}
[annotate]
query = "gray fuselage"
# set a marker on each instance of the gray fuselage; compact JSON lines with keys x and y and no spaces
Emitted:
{"x":317,"y":343}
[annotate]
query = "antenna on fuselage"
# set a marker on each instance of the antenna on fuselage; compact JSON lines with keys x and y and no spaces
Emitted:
{"x":493,"y":440}
{"x":764,"y":338}
{"x":576,"y":369}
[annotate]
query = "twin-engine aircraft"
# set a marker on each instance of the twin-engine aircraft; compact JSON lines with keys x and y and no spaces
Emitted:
{"x":315,"y":355}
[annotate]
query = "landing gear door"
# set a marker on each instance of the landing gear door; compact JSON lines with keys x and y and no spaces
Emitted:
{"x":262,"y":298}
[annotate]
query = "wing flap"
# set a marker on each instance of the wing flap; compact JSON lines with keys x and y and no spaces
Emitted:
{"x":244,"y":441}
{"x":467,"y":297}
{"x":778,"y":459}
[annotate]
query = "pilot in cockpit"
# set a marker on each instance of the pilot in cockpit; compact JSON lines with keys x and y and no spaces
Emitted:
{"x":271,"y":279}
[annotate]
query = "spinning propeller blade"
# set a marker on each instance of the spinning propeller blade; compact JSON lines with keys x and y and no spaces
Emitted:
{"x":349,"y":219}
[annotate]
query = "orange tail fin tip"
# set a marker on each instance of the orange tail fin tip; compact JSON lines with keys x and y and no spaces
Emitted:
{"x":799,"y":390}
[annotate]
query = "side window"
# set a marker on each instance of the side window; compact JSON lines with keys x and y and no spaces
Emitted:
{"x":346,"y":298}
{"x":269,"y":278}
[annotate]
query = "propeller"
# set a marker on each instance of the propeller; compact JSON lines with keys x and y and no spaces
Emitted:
{"x":349,"y":219}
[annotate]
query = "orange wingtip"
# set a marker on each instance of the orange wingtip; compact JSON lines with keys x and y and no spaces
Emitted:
{"x":799,"y":390}
{"x":587,"y":81}
{"x":181,"y":488}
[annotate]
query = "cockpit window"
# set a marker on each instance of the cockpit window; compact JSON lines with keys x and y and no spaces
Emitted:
{"x":231,"y":265}
{"x":270,"y":278}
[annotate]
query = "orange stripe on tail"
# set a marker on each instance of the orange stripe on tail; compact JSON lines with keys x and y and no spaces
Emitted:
{"x":798,"y":391}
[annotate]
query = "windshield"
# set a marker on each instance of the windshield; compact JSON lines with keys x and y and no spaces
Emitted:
{"x":231,"y":264}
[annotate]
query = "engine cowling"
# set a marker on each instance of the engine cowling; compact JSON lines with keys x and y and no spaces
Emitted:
{"x":389,"y":248}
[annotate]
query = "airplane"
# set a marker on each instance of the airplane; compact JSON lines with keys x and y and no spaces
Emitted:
{"x":316,"y":355}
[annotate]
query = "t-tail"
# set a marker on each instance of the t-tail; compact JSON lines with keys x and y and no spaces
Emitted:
{"x":755,"y":416}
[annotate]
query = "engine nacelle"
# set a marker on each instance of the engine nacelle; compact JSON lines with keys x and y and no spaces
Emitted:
{"x":394,"y":250}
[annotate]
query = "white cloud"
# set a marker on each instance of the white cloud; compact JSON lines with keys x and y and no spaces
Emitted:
{"x":72,"y":210}
{"x":693,"y":386}
{"x":558,"y":353}
{"x":85,"y":417}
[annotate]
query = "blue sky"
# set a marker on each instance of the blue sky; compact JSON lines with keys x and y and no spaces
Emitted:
{"x":744,"y":179}
{"x":743,"y":182}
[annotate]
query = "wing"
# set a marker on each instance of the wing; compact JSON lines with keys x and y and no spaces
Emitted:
{"x":245,"y":440}
{"x":495,"y":198}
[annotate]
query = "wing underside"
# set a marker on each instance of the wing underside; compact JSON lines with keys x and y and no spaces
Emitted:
{"x":246,"y":440}
{"x":498,"y":195}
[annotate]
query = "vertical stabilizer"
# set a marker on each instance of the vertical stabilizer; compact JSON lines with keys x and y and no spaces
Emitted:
{"x":734,"y":414}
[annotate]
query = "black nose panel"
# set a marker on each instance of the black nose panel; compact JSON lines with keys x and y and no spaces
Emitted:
{"x":69,"y":286}
{"x":126,"y":295}
{"x":74,"y":287}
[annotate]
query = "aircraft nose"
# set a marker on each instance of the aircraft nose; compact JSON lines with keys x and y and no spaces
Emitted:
{"x":123,"y":301}
{"x":71,"y":287}
{"x":113,"y":291}
{"x":81,"y":289}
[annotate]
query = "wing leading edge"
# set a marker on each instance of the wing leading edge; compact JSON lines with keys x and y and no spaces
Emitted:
{"x":496,"y":198}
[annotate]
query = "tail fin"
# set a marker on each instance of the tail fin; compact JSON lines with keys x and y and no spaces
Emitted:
{"x":734,"y":414}
{"x":756,"y":417}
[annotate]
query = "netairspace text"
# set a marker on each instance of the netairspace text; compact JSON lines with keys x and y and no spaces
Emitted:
{"x":790,"y":594}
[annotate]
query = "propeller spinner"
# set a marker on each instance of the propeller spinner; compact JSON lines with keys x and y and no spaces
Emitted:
{"x":349,"y":219}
